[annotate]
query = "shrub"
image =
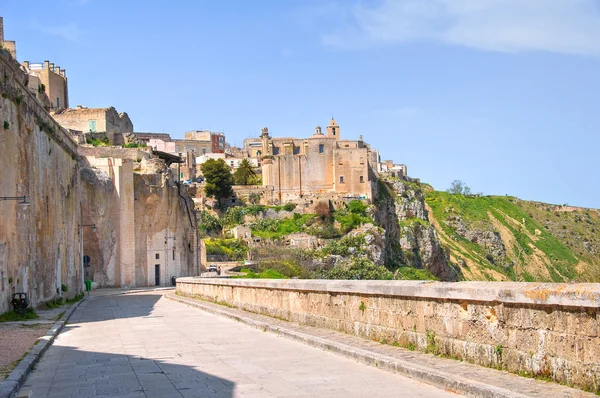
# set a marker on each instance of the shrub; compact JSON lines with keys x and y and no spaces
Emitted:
{"x":208,"y":224}
{"x":234,"y":249}
{"x":289,"y":206}
{"x":64,"y":288}
{"x":360,"y":268}
{"x":357,"y":207}
{"x":97,"y":141}
{"x":135,"y":145}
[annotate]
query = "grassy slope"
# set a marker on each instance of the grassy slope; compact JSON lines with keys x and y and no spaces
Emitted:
{"x":547,"y":243}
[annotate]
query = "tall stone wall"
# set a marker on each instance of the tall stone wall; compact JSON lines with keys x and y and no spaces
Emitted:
{"x":39,"y":244}
{"x":142,"y":220}
{"x":549,"y":330}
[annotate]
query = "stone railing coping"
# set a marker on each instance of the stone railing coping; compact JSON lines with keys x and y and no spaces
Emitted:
{"x":561,"y":294}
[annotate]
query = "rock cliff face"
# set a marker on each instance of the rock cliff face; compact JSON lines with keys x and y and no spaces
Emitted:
{"x":411,"y":239}
{"x":145,"y":225}
{"x":39,"y":244}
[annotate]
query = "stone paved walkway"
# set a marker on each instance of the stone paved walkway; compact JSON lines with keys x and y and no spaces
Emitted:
{"x":142,"y":345}
{"x":512,"y":385}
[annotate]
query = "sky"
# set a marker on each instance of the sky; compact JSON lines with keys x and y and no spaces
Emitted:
{"x":501,"y":94}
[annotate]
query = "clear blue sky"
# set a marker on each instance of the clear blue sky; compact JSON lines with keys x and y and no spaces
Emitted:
{"x":502,"y":94}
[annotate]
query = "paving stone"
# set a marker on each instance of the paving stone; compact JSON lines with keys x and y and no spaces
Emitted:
{"x":142,"y":345}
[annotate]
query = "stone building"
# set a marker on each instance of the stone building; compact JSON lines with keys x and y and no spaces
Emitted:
{"x":294,"y":168}
{"x":215,"y":140}
{"x":49,"y":79}
{"x":96,"y":122}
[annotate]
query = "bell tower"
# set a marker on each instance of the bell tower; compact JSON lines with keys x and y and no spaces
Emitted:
{"x":333,"y":130}
{"x":266,"y":159}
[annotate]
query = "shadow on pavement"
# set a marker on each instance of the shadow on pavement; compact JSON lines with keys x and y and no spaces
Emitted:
{"x":65,"y":371}
{"x":105,"y":308}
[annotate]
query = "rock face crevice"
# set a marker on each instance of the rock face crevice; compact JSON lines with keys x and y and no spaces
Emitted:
{"x":410,"y":237}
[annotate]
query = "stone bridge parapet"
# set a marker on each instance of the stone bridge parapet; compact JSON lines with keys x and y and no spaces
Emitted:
{"x":535,"y":329}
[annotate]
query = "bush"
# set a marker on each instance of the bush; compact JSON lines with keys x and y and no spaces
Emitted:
{"x":360,"y":268}
{"x":234,"y":249}
{"x":135,"y":145}
{"x":98,"y":142}
{"x":64,"y":288}
{"x":233,"y":216}
{"x":208,"y":224}
{"x":325,"y":232}
{"x":357,"y":207}
{"x":289,"y":206}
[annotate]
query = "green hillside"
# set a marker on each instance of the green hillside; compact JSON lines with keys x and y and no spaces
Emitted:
{"x":505,"y":238}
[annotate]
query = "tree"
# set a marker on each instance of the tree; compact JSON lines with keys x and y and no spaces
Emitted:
{"x":459,"y":187}
{"x":218,"y":179}
{"x":245,"y":173}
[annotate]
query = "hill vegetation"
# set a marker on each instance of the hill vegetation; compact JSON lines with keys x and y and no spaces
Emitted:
{"x":505,"y":238}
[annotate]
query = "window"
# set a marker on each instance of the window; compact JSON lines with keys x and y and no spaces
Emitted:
{"x":321,"y":148}
{"x":92,"y":126}
{"x":333,"y":130}
{"x":362,"y":179}
{"x":296,"y":150}
{"x":57,"y":102}
{"x":362,"y":160}
{"x":173,"y":254}
{"x":157,"y":256}
{"x":275,"y":150}
{"x":180,"y":175}
{"x":258,"y":153}
{"x":341,"y":179}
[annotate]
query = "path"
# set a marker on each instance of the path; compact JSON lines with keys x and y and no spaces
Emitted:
{"x":142,"y":345}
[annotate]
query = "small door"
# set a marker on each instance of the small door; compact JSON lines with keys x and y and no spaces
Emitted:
{"x":157,"y":274}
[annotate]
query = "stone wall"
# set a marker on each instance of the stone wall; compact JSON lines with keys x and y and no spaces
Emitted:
{"x":117,"y":152}
{"x":142,"y":220}
{"x":39,"y":243}
{"x":548,"y":330}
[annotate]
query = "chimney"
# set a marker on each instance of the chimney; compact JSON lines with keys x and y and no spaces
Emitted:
{"x":63,"y":73}
{"x":57,"y":70}
{"x":46,"y":65}
{"x":52,"y":66}
{"x":26,"y":64}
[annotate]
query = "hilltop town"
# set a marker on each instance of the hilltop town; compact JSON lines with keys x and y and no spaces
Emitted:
{"x":134,"y":245}
{"x":121,"y":207}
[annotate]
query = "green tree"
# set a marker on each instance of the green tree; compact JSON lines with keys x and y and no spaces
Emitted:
{"x":245,"y":174}
{"x":459,"y":187}
{"x":218,"y":179}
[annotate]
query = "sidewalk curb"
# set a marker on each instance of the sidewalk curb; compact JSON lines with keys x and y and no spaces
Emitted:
{"x":10,"y":386}
{"x":427,"y":375}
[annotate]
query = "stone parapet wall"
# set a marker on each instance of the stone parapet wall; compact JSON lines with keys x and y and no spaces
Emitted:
{"x":546,"y":330}
{"x":114,"y":152}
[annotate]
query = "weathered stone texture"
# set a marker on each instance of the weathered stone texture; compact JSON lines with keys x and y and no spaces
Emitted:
{"x":138,"y":216}
{"x":546,"y":330}
{"x":39,"y":243}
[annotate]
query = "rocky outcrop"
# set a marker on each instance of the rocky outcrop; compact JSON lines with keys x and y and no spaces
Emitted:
{"x":411,"y":239}
{"x":374,"y":243}
{"x":490,"y":241}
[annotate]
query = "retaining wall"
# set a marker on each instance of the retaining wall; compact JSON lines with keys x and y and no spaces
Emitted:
{"x":547,"y":330}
